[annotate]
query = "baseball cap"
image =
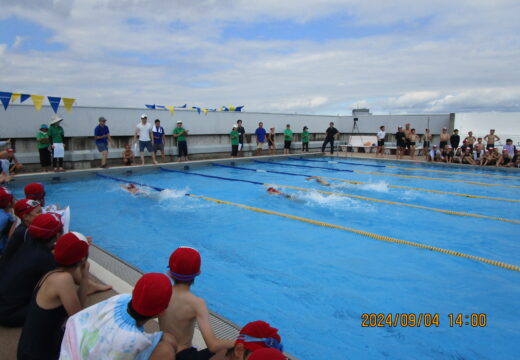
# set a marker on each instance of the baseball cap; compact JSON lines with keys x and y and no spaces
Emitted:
{"x":179,"y":122}
{"x":258,"y":335}
{"x":70,"y":248}
{"x":24,"y":207}
{"x":151,"y":294}
{"x":235,"y":125}
{"x":267,"y":354}
{"x":5,"y":197}
{"x":102,"y":119}
{"x":184,"y":264}
{"x":434,"y":145}
{"x":144,"y":116}
{"x":34,"y":191}
{"x":44,"y":126}
{"x":45,"y":226}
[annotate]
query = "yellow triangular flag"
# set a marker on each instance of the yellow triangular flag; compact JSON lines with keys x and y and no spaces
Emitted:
{"x":15,"y":97}
{"x":171,"y":108}
{"x":37,"y":101}
{"x":205,"y":111}
{"x":231,"y":108}
{"x":67,"y":103}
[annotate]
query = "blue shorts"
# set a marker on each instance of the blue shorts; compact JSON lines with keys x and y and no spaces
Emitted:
{"x":145,"y":144}
{"x":102,"y":147}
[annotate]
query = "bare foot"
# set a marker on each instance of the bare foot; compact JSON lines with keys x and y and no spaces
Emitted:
{"x":94,"y":287}
{"x":155,"y":163}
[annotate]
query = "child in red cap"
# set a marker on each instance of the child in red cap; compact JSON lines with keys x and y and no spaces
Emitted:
{"x":113,"y":329}
{"x":55,"y":298}
{"x":22,"y":271}
{"x":185,"y":309}
{"x":6,"y":217}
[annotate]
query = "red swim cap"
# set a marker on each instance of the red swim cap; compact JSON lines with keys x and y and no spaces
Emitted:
{"x":267,"y":354}
{"x":45,"y":226}
{"x":151,"y":294}
{"x":34,"y":191}
{"x":184,"y":264}
{"x":258,"y":330}
{"x":70,"y":248}
{"x":25,"y":206}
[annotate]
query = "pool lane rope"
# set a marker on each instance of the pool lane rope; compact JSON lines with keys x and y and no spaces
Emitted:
{"x":339,"y":227}
{"x":449,"y":212}
{"x":406,"y":168}
{"x":387,"y":174}
{"x":363,"y":183}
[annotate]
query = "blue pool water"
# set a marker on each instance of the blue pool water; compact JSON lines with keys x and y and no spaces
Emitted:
{"x":314,"y":282}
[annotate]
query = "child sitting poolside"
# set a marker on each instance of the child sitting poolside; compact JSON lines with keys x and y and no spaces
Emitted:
{"x":185,"y":309}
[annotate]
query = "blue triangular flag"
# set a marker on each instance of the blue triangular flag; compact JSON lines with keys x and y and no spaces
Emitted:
{"x":196,"y":108}
{"x":239,"y":108}
{"x":160,"y":107}
{"x":24,"y":97}
{"x":5,"y":97}
{"x":182,"y":107}
{"x":212,"y":109}
{"x":150,"y":106}
{"x":55,"y":103}
{"x":224,"y":108}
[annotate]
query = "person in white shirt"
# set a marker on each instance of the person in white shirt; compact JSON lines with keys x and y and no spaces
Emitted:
{"x":435,"y":154}
{"x":381,"y":141}
{"x":144,"y":130}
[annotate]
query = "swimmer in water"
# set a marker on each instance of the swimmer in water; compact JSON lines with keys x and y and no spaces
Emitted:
{"x":318,"y":180}
{"x":131,"y":188}
{"x":273,"y":191}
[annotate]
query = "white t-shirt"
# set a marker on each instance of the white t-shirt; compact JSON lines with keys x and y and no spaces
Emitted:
{"x":144,"y":131}
{"x":381,"y":135}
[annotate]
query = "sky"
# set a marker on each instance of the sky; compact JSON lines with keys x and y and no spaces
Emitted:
{"x":290,"y":56}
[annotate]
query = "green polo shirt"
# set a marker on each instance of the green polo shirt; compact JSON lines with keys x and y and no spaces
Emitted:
{"x":43,"y":144}
{"x":56,"y":134}
{"x":288,"y":134}
{"x":180,"y":131}
{"x":305,"y":137}
{"x":234,"y":137}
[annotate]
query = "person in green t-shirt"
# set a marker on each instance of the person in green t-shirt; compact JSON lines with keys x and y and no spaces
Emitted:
{"x":305,"y":139}
{"x":180,"y":133}
{"x":287,"y":139}
{"x":57,"y":136}
{"x":233,"y":135}
{"x":43,"y":147}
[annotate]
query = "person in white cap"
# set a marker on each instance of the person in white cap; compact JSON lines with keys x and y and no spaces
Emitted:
{"x":144,"y":130}
{"x":233,"y":136}
{"x":180,"y":133}
{"x":57,"y":136}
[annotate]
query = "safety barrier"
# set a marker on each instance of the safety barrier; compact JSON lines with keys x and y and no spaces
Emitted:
{"x":362,"y":183}
{"x":339,"y":227}
{"x":387,"y":174}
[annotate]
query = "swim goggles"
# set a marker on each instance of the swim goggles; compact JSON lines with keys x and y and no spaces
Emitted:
{"x":269,"y":342}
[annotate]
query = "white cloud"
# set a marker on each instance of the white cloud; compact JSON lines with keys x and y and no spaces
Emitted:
{"x":18,"y":41}
{"x":440,"y":56}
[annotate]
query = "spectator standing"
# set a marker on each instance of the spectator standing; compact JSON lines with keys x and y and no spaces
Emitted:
{"x":113,"y":329}
{"x":471,"y":140}
{"x":55,"y":298}
{"x":57,"y":136}
{"x":233,"y":136}
{"x":455,"y":139}
{"x":128,"y":156}
{"x":271,"y":144}
{"x":407,"y":132}
{"x":330,"y":134}
{"x":158,"y":139}
{"x":445,"y":137}
{"x":180,"y":133}
{"x":490,"y":139}
{"x":427,"y":141}
{"x":412,"y":140}
{"x":305,"y":139}
{"x":260,"y":138}
{"x":288,"y":134}
{"x":144,"y":130}
{"x":43,"y":140}
{"x":381,"y":134}
{"x":241,"y":134}
{"x":102,"y":136}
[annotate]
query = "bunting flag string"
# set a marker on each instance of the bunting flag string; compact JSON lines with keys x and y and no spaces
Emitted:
{"x":196,"y":108}
{"x":5,"y":97}
{"x":37,"y":101}
{"x":67,"y":103}
{"x":55,"y":103}
{"x":15,"y":97}
{"x":171,"y":109}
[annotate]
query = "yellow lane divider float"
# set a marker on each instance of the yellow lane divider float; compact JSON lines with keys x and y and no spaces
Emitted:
{"x":426,"y":190}
{"x":453,"y":172}
{"x":367,"y":234}
{"x":438,"y":179}
{"x":400,"y":204}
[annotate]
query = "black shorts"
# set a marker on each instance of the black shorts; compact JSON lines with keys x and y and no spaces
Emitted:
{"x":45,"y":157}
{"x":490,"y":146}
{"x":234,"y":150}
{"x":443,"y":144}
{"x":182,"y":147}
{"x":426,"y":144}
{"x":269,"y":143}
{"x":380,"y":143}
{"x":194,"y":354}
{"x":400,"y":143}
{"x":287,"y":144}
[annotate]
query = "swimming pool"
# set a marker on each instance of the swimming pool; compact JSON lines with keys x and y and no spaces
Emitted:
{"x":314,"y":282}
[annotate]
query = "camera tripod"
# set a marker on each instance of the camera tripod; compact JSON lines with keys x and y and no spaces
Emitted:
{"x":355,"y":130}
